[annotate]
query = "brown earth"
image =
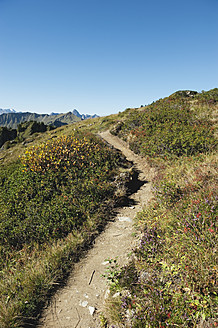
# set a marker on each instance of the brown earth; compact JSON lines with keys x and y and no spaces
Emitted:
{"x":86,"y":289}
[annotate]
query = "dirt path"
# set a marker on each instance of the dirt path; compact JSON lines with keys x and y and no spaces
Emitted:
{"x":86,"y":289}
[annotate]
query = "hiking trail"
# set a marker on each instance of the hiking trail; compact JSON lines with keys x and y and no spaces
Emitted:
{"x":79,"y":303}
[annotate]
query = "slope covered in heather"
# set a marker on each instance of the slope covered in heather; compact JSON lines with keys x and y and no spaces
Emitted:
{"x":172,"y":280}
{"x":56,"y":197}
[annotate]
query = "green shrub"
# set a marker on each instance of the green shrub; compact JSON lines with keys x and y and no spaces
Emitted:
{"x":168,"y":128}
{"x":54,"y":189}
{"x":52,"y":200}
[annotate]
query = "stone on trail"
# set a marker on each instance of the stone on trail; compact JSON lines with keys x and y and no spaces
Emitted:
{"x":91,"y":310}
{"x":125,"y":219}
{"x":83,"y":303}
{"x":107,"y":293}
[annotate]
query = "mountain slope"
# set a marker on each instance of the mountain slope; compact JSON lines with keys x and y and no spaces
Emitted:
{"x":11,"y":120}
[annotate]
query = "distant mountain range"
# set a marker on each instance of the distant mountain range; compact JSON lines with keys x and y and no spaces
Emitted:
{"x":10,"y":118}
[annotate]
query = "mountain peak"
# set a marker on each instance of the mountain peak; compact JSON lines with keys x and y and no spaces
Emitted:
{"x":83,"y":116}
{"x":7,"y":110}
{"x":75,"y":112}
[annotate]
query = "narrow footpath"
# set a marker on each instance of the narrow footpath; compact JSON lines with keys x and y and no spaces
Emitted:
{"x":80,"y":302}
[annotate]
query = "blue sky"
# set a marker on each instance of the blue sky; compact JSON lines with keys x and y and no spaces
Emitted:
{"x":104,"y":56}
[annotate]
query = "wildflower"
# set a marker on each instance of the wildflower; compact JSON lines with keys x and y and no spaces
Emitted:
{"x":211,"y":230}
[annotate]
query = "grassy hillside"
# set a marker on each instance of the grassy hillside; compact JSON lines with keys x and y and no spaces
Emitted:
{"x":172,"y":127}
{"x":54,"y":199}
{"x":57,"y":190}
{"x":172,"y":280}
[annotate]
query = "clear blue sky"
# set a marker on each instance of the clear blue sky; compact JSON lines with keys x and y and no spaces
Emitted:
{"x":103,"y":56}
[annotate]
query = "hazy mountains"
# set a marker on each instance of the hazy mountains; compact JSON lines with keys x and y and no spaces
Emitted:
{"x":10,"y":118}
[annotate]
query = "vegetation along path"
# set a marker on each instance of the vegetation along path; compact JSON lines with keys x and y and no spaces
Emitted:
{"x":80,"y":302}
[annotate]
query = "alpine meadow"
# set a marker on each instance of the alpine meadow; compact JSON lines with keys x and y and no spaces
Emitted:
{"x":60,"y":187}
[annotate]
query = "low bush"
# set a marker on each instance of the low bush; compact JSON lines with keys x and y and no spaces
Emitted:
{"x":168,"y":128}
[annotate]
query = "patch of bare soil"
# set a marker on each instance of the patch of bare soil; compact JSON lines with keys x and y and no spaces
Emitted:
{"x":80,"y":302}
